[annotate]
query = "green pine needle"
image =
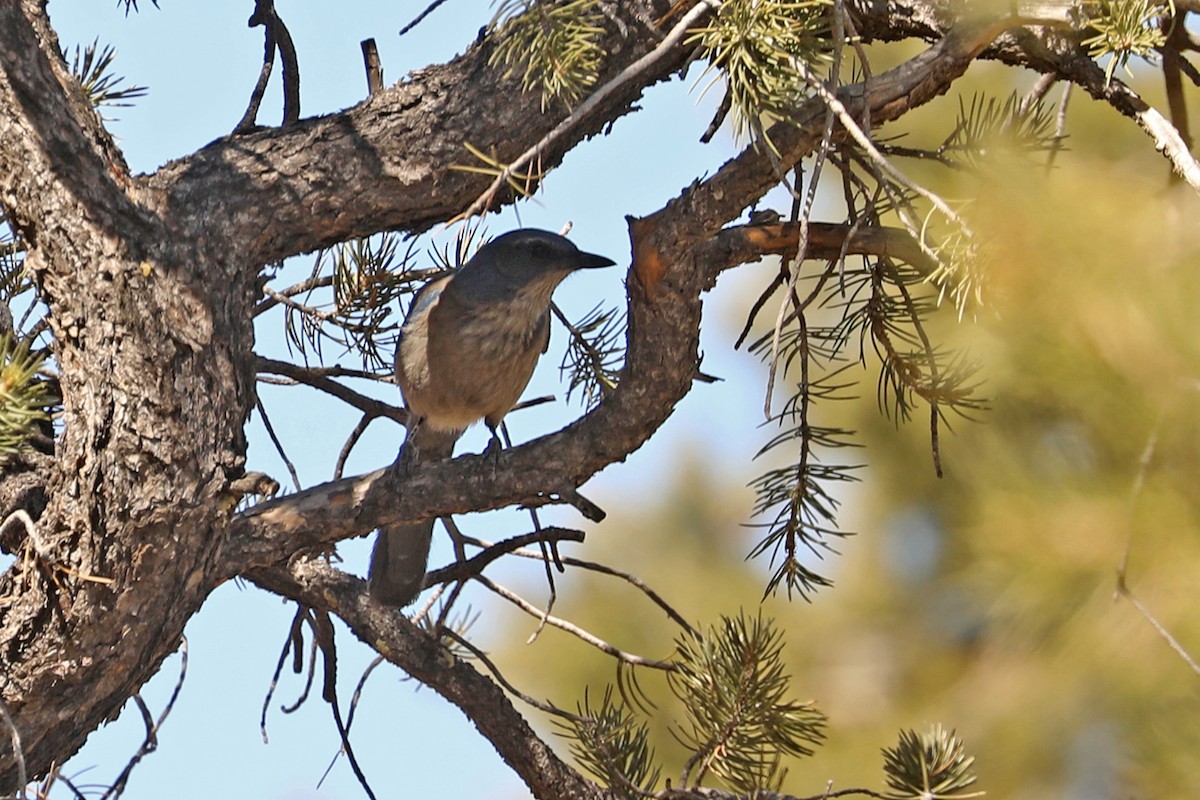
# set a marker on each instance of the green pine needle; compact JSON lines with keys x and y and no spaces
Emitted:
{"x":91,"y":66}
{"x":928,"y":766}
{"x":595,"y":353}
{"x":732,"y":681}
{"x":763,"y":50}
{"x":554,"y":46}
{"x":611,"y":744}
{"x":24,"y":398}
{"x":1124,"y":29}
{"x":367,"y":277}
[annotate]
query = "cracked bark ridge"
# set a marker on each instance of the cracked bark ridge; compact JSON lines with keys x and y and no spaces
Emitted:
{"x":151,"y":282}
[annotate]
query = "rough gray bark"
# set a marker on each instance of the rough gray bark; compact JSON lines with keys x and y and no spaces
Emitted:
{"x":151,"y":281}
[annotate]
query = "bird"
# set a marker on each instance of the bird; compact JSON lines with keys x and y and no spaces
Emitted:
{"x":466,"y":352}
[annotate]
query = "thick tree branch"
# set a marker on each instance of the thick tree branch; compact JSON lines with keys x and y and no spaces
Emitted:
{"x":661,"y":360}
{"x":133,"y":506}
{"x":826,"y":241}
{"x":55,"y":156}
{"x":320,"y":586}
{"x":153,"y":335}
{"x":386,"y":164}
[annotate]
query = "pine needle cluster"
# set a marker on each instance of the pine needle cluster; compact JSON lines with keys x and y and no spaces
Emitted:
{"x":875,"y":310}
{"x":609,"y":741}
{"x":932,"y":765}
{"x":740,"y":726}
{"x":594,"y":355}
{"x":553,"y":45}
{"x":24,"y":398}
{"x":763,"y":51}
{"x":92,"y":67}
{"x":1124,"y":29}
{"x":348,"y":300}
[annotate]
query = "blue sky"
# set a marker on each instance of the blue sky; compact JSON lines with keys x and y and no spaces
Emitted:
{"x":200,"y":61}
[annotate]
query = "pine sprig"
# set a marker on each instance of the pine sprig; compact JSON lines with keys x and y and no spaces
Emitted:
{"x":91,"y":66}
{"x":804,"y":511}
{"x":13,"y":277}
{"x":732,"y":682}
{"x":24,"y":398}
{"x":522,"y":183}
{"x":762,"y":50}
{"x":553,"y":45}
{"x":797,"y":496}
{"x":594,"y":354}
{"x":985,"y":122}
{"x":932,"y":765}
{"x":940,"y":230}
{"x":613,"y":745}
{"x":367,"y":277}
{"x":911,"y":366}
{"x":1125,"y":29}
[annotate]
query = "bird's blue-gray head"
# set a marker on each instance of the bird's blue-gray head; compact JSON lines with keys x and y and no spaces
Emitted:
{"x":523,"y":261}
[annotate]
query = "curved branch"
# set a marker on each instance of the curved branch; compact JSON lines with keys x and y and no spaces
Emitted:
{"x":322,"y":587}
{"x":662,"y":357}
{"x":279,"y":195}
{"x":1047,"y":52}
{"x":55,"y":157}
{"x":317,"y":380}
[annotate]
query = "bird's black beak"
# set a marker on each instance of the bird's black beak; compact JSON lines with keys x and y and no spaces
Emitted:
{"x":583,"y":260}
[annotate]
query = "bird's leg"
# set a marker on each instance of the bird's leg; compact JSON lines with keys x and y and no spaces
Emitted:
{"x":494,"y":445}
{"x":497,"y":443}
{"x":410,"y":451}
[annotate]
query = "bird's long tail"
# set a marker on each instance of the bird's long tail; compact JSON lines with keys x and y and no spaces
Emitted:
{"x":402,"y":551}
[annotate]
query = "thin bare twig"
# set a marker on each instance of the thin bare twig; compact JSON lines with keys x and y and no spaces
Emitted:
{"x":362,"y":680}
{"x":1122,"y":588}
{"x":323,"y":634}
{"x":883,"y":163}
{"x":306,"y":285}
{"x":351,"y":440}
{"x":803,"y":215}
{"x":150,"y":743}
{"x":1036,"y":93}
{"x":18,"y":752}
{"x":417,"y":20}
{"x":298,"y":662}
{"x":294,"y":639}
{"x":604,"y":569}
{"x":573,"y":629}
{"x":367,"y":405}
{"x":291,"y":468}
{"x":1060,"y":127}
{"x":633,"y":581}
{"x":1124,"y":591}
{"x":474,"y":566}
{"x":549,"y":708}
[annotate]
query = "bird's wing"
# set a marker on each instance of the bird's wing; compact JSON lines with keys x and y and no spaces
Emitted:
{"x":545,"y":332}
{"x":426,"y":296}
{"x":422,"y":303}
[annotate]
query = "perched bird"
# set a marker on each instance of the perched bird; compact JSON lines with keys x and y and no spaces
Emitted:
{"x":466,"y":352}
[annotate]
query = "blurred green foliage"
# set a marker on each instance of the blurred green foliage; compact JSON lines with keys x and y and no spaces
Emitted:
{"x":986,"y":600}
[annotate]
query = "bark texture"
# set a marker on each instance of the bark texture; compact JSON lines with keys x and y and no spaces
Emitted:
{"x":151,"y":282}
